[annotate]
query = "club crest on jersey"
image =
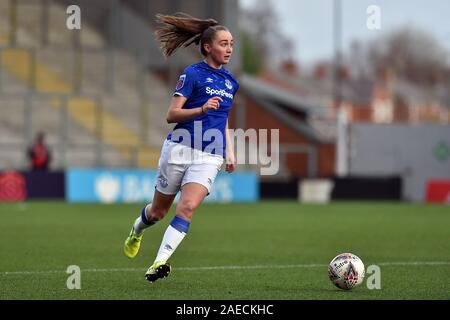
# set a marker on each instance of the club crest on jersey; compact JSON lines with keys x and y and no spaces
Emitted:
{"x":180,"y":82}
{"x":228,"y":84}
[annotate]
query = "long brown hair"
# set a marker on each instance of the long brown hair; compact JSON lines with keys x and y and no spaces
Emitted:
{"x":182,"y":29}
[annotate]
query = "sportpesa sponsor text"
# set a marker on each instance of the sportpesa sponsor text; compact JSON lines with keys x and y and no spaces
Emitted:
{"x":222,"y":93}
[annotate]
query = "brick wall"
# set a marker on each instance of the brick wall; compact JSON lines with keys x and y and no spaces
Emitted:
{"x":257,"y":117}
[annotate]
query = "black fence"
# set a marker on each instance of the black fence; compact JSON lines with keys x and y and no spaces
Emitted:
{"x":350,"y":188}
{"x":364,"y":188}
{"x":19,"y":186}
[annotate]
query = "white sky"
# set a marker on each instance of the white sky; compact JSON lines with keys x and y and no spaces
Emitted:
{"x":309,"y":22}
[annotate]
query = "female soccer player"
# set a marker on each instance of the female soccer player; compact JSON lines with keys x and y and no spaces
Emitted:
{"x":194,"y":151}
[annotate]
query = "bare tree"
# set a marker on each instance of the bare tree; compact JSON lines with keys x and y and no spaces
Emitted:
{"x":261,"y":23}
{"x":413,"y":54}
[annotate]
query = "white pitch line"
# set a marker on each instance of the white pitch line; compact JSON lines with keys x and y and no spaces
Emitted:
{"x":417,"y":263}
{"x":254,"y":267}
{"x":287,"y":266}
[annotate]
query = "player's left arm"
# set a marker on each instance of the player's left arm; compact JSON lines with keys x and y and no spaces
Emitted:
{"x":230,"y":159}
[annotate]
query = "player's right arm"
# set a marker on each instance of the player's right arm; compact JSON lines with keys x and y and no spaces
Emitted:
{"x":176,"y":113}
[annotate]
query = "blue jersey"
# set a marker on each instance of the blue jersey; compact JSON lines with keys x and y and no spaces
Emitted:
{"x":198,"y":83}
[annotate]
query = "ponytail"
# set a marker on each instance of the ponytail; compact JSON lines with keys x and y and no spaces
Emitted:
{"x":182,"y":30}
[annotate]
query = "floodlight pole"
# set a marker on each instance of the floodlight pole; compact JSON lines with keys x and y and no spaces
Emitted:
{"x":337,"y":39}
{"x":342,"y":139}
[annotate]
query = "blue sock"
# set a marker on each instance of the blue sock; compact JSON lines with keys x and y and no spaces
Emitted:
{"x":144,"y":218}
{"x":142,"y":222}
{"x":180,"y":224}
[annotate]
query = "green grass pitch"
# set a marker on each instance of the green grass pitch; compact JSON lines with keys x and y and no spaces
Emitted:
{"x":269,"y":250}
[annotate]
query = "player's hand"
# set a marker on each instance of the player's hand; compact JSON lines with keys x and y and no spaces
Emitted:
{"x":213,"y":103}
{"x":230,"y":163}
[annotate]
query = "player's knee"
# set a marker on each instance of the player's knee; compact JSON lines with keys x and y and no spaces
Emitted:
{"x":186,"y":208}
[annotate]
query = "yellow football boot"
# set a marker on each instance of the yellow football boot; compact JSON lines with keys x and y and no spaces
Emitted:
{"x":158,"y":270}
{"x":132,"y":244}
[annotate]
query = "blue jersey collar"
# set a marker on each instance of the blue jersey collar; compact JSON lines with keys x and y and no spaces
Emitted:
{"x":207,"y":66}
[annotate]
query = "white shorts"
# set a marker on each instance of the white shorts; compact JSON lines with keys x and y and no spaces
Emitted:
{"x":179,"y":164}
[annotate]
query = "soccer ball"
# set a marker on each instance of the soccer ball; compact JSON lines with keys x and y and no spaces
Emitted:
{"x":346,"y":271}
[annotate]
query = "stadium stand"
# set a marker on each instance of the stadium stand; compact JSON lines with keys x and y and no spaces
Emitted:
{"x":99,"y":117}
